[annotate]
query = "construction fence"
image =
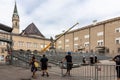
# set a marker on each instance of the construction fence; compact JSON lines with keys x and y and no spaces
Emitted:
{"x":93,"y":72}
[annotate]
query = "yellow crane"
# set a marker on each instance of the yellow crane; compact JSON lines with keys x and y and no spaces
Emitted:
{"x":48,"y":46}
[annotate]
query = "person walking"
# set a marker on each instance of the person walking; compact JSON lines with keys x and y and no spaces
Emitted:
{"x":84,"y":60}
{"x":117,"y":60}
{"x":68,"y":59}
{"x":96,"y":59}
{"x":91,"y":59}
{"x":44,"y":65}
{"x":33,"y":67}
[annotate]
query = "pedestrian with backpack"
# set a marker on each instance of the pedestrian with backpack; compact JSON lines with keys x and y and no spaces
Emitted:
{"x":34,"y":64}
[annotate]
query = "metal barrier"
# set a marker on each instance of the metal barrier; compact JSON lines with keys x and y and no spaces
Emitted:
{"x":93,"y":72}
{"x":22,"y":59}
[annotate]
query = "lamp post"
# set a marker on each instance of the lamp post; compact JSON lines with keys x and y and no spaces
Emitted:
{"x":64,"y":40}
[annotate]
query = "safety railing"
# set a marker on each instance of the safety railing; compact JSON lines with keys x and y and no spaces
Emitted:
{"x":92,"y":72}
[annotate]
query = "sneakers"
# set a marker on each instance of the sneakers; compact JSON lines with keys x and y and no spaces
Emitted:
{"x":46,"y":75}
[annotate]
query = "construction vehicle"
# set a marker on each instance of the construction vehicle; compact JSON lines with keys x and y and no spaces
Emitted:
{"x":53,"y":41}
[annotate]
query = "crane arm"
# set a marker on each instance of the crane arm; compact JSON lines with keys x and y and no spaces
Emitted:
{"x":44,"y":49}
{"x":65,"y":32}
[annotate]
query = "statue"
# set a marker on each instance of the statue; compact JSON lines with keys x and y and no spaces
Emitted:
{"x":52,"y":43}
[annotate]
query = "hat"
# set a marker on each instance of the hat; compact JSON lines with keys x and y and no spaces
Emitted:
{"x":69,"y":52}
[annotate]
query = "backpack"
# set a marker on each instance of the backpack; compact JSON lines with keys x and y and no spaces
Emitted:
{"x":36,"y":64}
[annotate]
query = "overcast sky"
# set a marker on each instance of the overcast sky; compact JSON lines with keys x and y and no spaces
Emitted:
{"x":53,"y":16}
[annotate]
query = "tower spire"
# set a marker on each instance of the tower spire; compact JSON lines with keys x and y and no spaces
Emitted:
{"x":15,"y":12}
{"x":15,"y":20}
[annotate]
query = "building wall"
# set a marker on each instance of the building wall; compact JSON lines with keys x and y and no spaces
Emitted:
{"x":95,"y":37}
{"x":22,"y":42}
{"x":76,"y":40}
{"x":89,"y":38}
{"x":111,"y":35}
{"x":84,"y":38}
{"x":28,"y":43}
{"x":69,"y":42}
{"x":61,"y":43}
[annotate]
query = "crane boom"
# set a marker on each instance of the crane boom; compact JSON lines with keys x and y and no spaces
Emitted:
{"x":65,"y":32}
{"x":44,"y":49}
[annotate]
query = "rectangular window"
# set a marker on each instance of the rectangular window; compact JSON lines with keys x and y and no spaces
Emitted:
{"x":45,"y":45}
{"x":86,"y":44}
{"x":20,"y":43}
{"x":2,"y":43}
{"x":67,"y":40}
{"x":35,"y":45}
{"x":118,"y":50}
{"x":76,"y":46}
{"x":117,"y":30}
{"x":28,"y":44}
{"x":67,"y":47}
{"x":42,"y":46}
{"x":100,"y":34}
{"x":60,"y":47}
{"x":117,"y":40}
{"x":76,"y":38}
{"x":59,"y":42}
{"x":100,"y":43}
{"x":86,"y":36}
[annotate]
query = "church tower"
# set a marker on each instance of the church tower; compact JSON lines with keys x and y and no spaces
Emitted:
{"x":15,"y":20}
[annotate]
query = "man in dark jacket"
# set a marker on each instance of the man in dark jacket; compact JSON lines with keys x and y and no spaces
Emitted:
{"x":91,"y":59}
{"x":44,"y":65}
{"x":117,"y":60}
